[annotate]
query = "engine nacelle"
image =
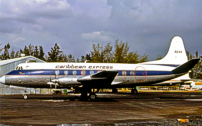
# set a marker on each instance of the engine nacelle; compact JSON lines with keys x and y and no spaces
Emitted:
{"x":68,"y":81}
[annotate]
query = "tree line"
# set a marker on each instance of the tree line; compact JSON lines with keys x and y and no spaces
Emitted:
{"x":31,"y":50}
{"x":99,"y":54}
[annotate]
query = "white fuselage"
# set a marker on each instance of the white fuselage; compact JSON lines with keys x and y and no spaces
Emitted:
{"x":67,"y":74}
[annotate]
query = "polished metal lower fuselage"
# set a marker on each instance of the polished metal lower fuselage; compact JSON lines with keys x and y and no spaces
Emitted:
{"x":40,"y":81}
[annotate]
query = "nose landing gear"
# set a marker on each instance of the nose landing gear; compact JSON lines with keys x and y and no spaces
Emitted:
{"x":25,"y":96}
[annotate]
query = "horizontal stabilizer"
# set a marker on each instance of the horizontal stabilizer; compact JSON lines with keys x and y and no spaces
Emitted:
{"x":184,"y":68}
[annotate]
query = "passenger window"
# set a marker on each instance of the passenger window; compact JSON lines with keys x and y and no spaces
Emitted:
{"x":124,"y":73}
{"x":74,"y":72}
{"x":66,"y":72}
{"x":19,"y":68}
{"x":91,"y":72}
{"x":57,"y":72}
{"x":83,"y":72}
{"x":132,"y":73}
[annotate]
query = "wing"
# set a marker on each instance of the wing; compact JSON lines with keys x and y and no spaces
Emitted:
{"x":100,"y":79}
{"x":103,"y":76}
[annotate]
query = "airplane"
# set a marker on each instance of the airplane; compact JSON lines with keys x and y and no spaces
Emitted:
{"x":85,"y":77}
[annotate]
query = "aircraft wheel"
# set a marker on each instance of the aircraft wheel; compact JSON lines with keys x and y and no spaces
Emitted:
{"x":93,"y":96}
{"x":25,"y":96}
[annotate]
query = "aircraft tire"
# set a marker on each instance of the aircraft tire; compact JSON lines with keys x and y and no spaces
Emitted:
{"x":92,"y":96}
{"x":25,"y":96}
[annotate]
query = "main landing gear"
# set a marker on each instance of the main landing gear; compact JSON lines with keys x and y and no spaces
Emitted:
{"x":92,"y":96}
{"x":25,"y":96}
{"x":134,"y":91}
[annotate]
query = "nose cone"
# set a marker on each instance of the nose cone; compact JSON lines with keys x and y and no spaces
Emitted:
{"x":2,"y":80}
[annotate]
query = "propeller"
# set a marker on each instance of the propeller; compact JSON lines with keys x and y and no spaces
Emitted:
{"x":56,"y":78}
{"x":54,"y":81}
{"x":50,"y":81}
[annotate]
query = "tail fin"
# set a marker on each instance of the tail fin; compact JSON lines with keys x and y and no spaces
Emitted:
{"x":176,"y":54}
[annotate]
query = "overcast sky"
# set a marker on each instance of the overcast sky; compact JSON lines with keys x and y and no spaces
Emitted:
{"x":147,"y":25}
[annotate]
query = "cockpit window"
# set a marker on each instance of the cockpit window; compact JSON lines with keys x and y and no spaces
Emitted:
{"x":19,"y":68}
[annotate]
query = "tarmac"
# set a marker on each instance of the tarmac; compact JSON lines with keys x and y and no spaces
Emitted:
{"x":144,"y":108}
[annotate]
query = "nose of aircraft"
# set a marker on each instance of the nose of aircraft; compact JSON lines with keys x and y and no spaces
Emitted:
{"x":2,"y":80}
